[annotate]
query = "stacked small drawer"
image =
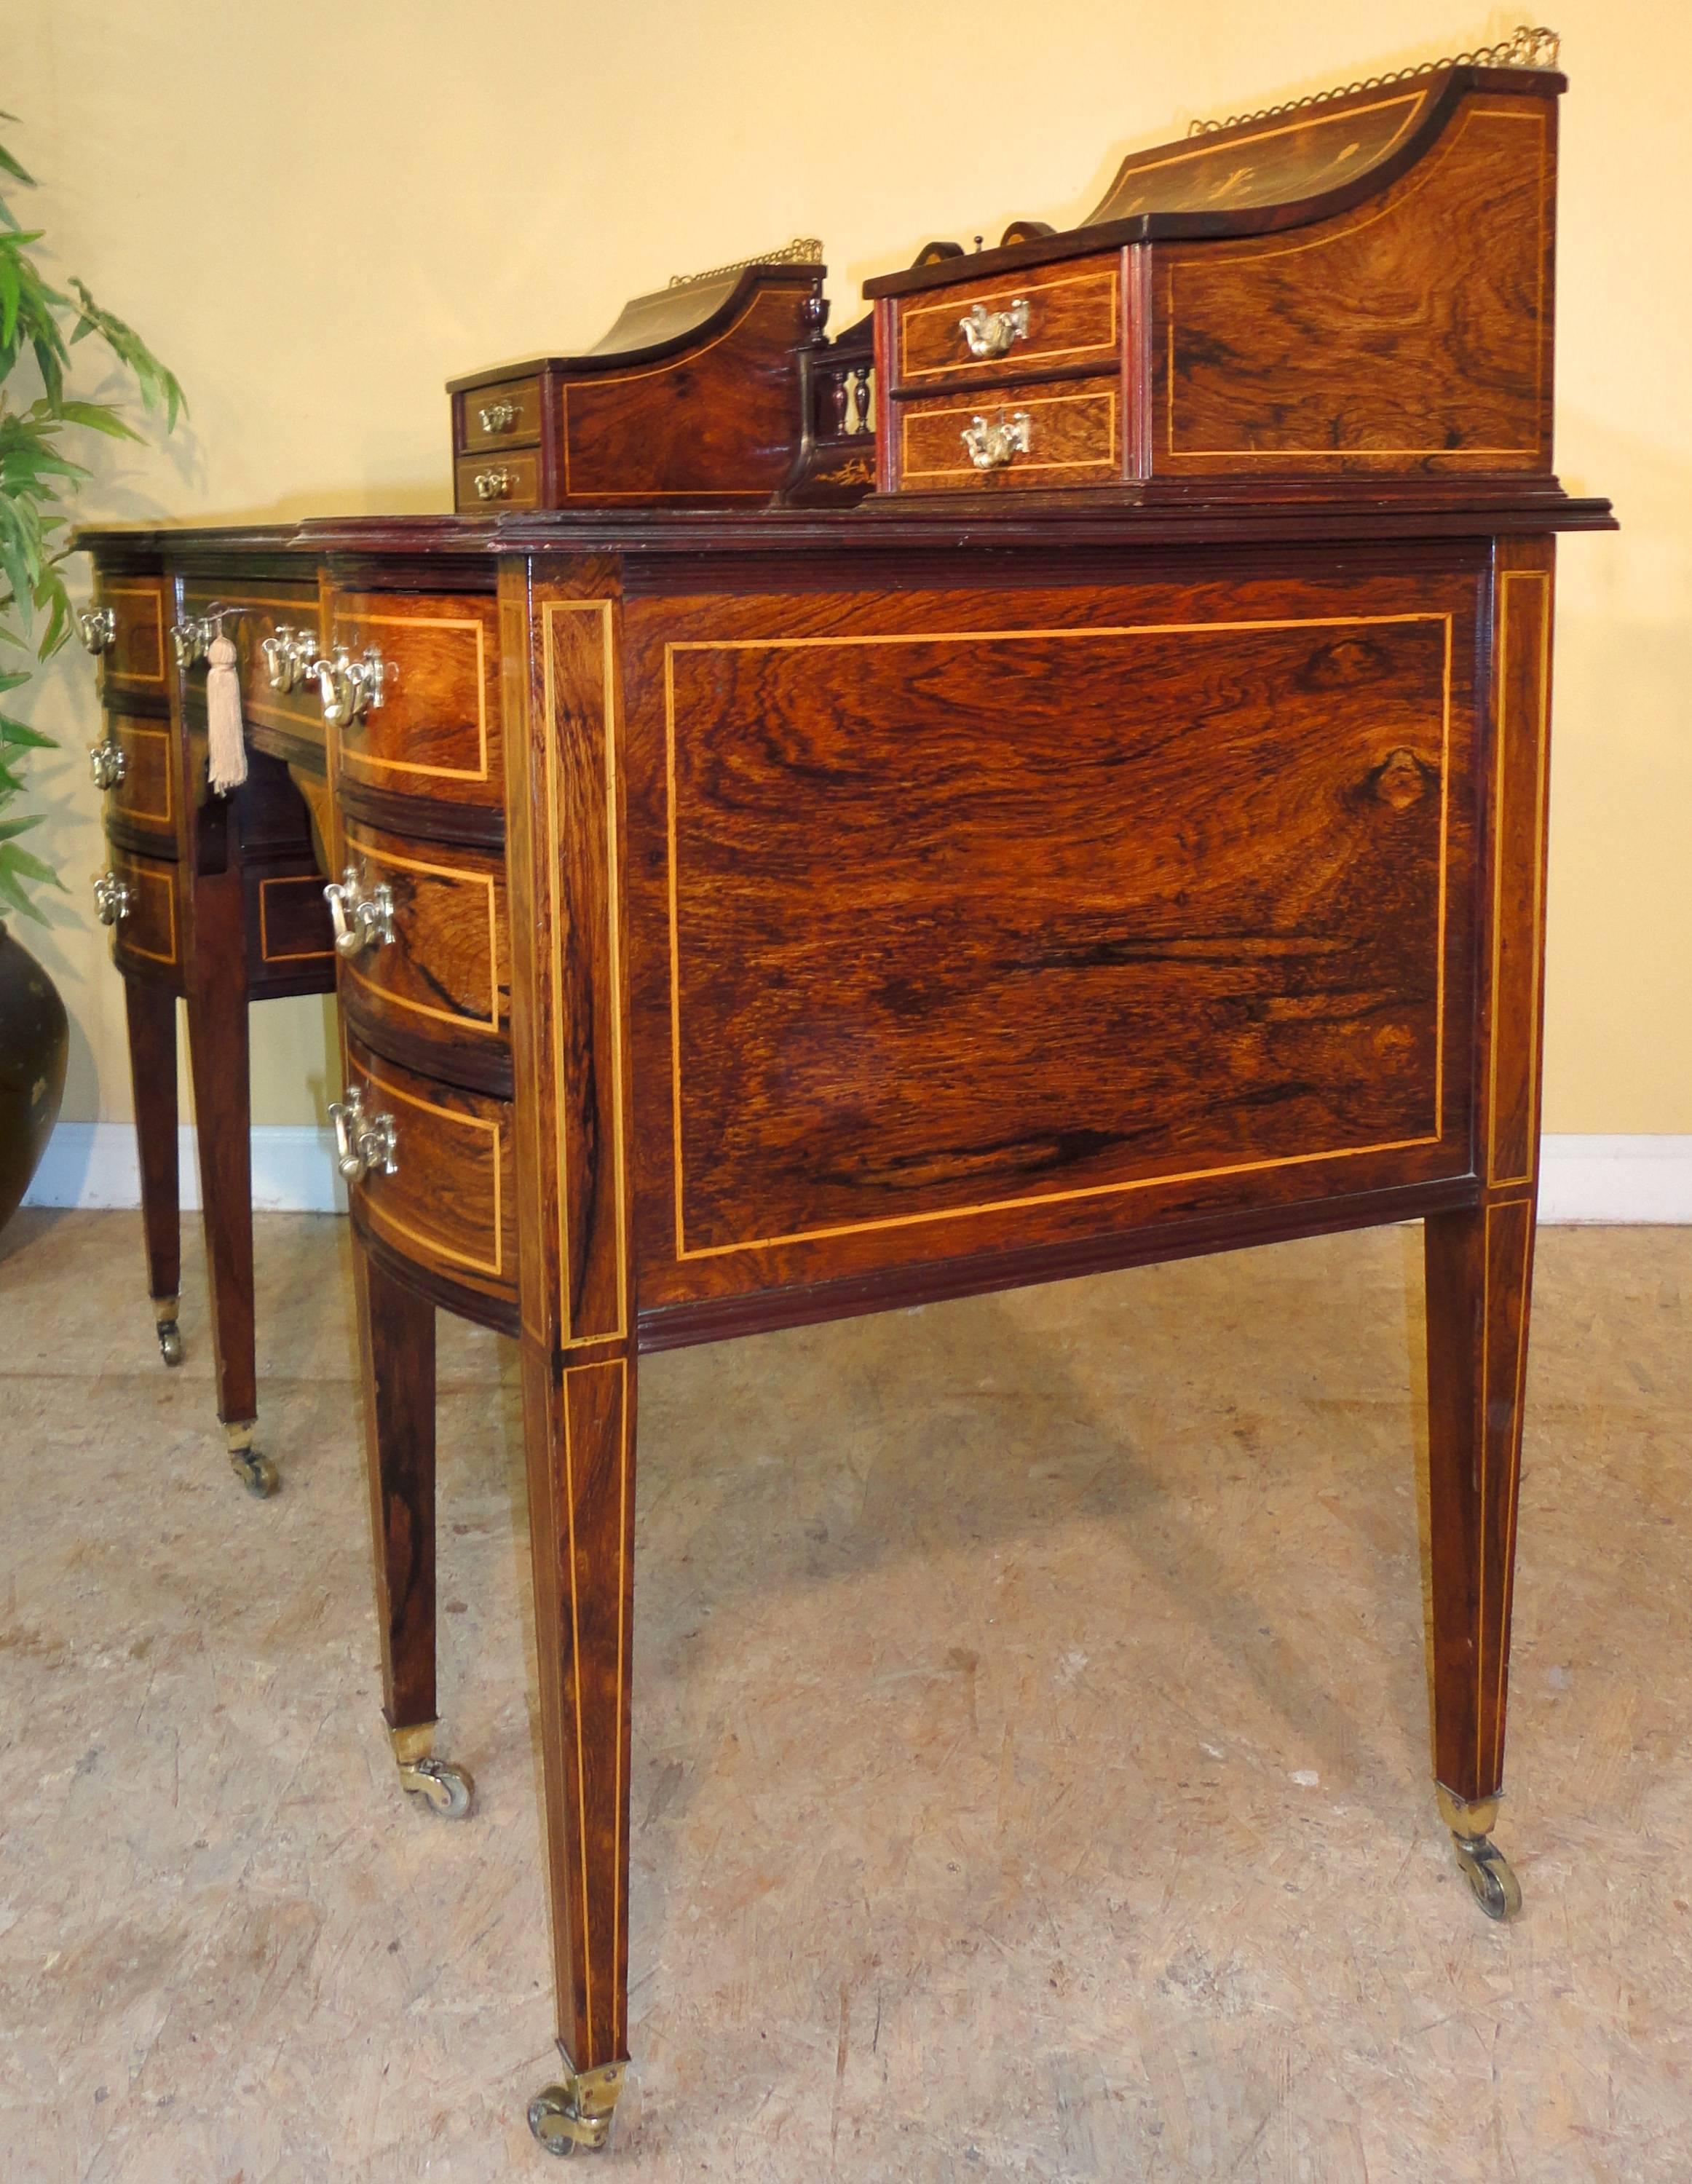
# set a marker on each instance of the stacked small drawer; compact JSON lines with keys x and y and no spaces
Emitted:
{"x":425,"y":1124}
{"x":1008,"y":384}
{"x":137,"y":763}
{"x":497,"y":434}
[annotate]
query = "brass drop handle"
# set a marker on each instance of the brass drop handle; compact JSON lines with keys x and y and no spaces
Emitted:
{"x":361,"y":920}
{"x":991,"y":333}
{"x":497,"y":416}
{"x":113,"y":899}
{"x":492,"y":485}
{"x":106,"y":763}
{"x":993,"y":447}
{"x":98,"y":628}
{"x":288,"y":655}
{"x":191,"y":638}
{"x":364,"y":1143}
{"x":349,"y":688}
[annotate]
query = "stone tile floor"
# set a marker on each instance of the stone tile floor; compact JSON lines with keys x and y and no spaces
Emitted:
{"x":1030,"y":1747}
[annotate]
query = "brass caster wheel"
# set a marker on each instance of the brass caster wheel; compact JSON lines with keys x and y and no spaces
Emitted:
{"x":577,"y":2116}
{"x":170,"y":1342}
{"x":447,"y":1789}
{"x":1487,"y":1870}
{"x":256,"y":1472}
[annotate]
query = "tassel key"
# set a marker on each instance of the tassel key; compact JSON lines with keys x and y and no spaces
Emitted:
{"x":225,"y":740}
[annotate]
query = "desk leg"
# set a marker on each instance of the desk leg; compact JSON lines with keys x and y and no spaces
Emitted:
{"x":579,"y":1424}
{"x":396,"y":1343}
{"x":152,"y":1011}
{"x":218,"y":1052}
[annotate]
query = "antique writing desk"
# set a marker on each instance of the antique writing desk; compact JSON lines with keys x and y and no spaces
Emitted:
{"x":1119,"y":836}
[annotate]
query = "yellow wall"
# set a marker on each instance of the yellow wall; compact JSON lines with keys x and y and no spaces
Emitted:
{"x":318,"y":210}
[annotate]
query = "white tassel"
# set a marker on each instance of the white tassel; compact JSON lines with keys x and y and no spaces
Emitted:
{"x":225,"y":743}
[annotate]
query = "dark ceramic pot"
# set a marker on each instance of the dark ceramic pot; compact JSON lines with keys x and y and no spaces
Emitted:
{"x":35,"y":1038}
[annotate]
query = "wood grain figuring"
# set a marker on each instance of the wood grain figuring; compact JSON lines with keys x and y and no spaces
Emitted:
{"x":145,"y":797}
{"x":1521,"y":788}
{"x":1073,"y":318}
{"x":134,"y":665}
{"x":1416,"y":330}
{"x":150,"y":1006}
{"x":474,"y":438}
{"x":1075,"y":438}
{"x":952,"y":931}
{"x":516,"y":473}
{"x":450,"y":1204}
{"x":447,"y":973}
{"x":219,"y":1053}
{"x":436,"y":731}
{"x":397,"y":1348}
{"x":719,"y":424}
{"x":148,"y":936}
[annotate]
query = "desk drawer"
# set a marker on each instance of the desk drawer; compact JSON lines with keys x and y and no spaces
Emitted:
{"x":496,"y":480}
{"x":444,"y":976}
{"x":1072,"y":315}
{"x":136,"y":897}
{"x":141,"y":750}
{"x":1065,"y":434}
{"x":449,"y":1206}
{"x":134,"y":664}
{"x":493,"y":418}
{"x":274,"y":691}
{"x":435,"y":733}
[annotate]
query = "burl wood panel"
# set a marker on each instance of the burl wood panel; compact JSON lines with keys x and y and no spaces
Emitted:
{"x":436,"y":733}
{"x":447,"y":974}
{"x":720,"y":425}
{"x":135,"y":664}
{"x":1520,"y":785}
{"x":1074,"y":317}
{"x":999,"y":918}
{"x":263,"y":609}
{"x":451,"y":1204}
{"x":512,"y":479}
{"x":523,"y":396}
{"x":148,"y":936}
{"x":146,"y":797}
{"x":1413,"y":333}
{"x":1075,"y":437}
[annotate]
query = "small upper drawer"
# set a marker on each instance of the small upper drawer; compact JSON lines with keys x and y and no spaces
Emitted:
{"x":274,"y":628}
{"x":136,"y":897}
{"x":1061,"y":315}
{"x":507,"y":415}
{"x":432,"y":956}
{"x":1035,"y":437}
{"x":135,"y":764}
{"x":449,"y":1201}
{"x":134,"y":663}
{"x":493,"y":481}
{"x":432,"y":728}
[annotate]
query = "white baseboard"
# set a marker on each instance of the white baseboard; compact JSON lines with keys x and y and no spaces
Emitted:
{"x":93,"y":1164}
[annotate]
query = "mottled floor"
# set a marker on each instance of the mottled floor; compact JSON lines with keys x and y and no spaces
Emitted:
{"x":1030,"y":1735}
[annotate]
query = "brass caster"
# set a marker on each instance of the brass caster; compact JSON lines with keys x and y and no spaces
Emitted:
{"x":576,"y":2117}
{"x":1487,"y":1870}
{"x":170,"y":1341}
{"x":447,"y":1789}
{"x":256,"y":1472}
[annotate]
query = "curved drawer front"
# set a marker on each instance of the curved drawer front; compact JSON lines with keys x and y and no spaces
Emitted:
{"x":436,"y":732}
{"x":1068,"y":433}
{"x":148,"y":935}
{"x":135,"y":663}
{"x":450,"y":1205}
{"x":446,"y":974}
{"x":146,"y":798}
{"x":1067,"y":314}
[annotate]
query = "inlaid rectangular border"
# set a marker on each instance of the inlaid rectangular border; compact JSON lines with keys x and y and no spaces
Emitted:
{"x":488,"y":1026}
{"x":351,"y":757}
{"x":423,"y":1239}
{"x":1529,"y":656}
{"x":962,"y":297}
{"x":286,"y":955}
{"x":1109,"y":461}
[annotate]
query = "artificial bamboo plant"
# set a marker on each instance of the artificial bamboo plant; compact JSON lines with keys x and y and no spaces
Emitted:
{"x":40,"y":325}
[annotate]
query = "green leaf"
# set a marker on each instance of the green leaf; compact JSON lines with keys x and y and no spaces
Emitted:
{"x":11,"y":167}
{"x":8,"y":827}
{"x":22,"y":737}
{"x":98,"y":417}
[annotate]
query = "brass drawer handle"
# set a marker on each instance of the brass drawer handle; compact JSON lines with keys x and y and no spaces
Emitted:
{"x":497,"y":416}
{"x":98,"y":628}
{"x":364,"y":1143}
{"x":993,"y":446}
{"x":991,"y":333}
{"x":492,"y":485}
{"x":113,"y":899}
{"x":106,"y":763}
{"x":361,"y":920}
{"x":191,"y":638}
{"x":349,"y":688}
{"x":289,"y":654}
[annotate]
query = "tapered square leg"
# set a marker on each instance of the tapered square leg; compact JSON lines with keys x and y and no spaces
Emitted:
{"x":396,"y":1344}
{"x":150,"y":1009}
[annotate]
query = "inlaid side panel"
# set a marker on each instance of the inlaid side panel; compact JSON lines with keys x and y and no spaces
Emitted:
{"x":1521,"y":783}
{"x":1017,"y":917}
{"x":1331,"y":348}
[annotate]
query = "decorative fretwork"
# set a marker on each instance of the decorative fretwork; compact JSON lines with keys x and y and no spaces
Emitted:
{"x":1523,"y":48}
{"x":802,"y":250}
